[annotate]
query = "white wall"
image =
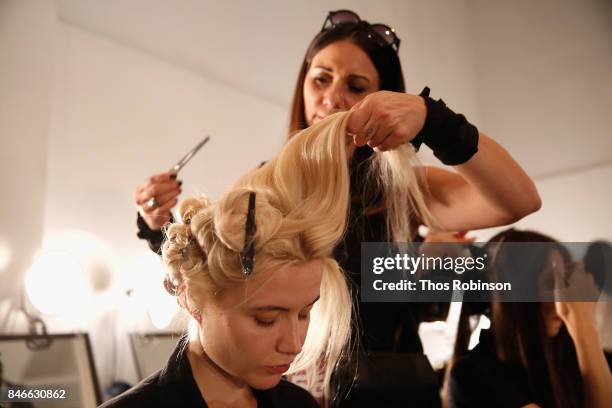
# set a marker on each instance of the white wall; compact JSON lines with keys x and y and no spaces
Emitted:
{"x":85,"y":117}
{"x":26,"y":68}
{"x":544,"y":90}
{"x":120,"y":116}
{"x":576,"y":206}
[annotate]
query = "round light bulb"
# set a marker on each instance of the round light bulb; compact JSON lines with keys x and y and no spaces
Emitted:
{"x":55,"y":283}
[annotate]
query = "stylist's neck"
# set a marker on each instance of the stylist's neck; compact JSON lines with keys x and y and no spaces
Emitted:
{"x":219,"y":389}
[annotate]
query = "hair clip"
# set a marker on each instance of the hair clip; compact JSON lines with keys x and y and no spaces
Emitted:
{"x":248,"y":252}
{"x":185,"y":249}
{"x":187,"y":218}
{"x":184,"y":253}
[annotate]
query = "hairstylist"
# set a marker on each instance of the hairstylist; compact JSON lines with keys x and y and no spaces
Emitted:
{"x":354,"y":65}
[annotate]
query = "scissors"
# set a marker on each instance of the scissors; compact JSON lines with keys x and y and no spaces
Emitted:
{"x":181,"y":163}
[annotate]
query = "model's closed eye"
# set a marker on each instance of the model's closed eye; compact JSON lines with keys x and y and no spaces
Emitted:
{"x":266,"y":319}
{"x":264,"y":322}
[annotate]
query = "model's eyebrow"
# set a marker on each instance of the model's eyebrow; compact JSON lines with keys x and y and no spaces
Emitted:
{"x":328,"y":69}
{"x":274,"y":308}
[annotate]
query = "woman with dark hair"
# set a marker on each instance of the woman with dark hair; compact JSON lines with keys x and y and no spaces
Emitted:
{"x":384,"y":58}
{"x":353,"y":65}
{"x":536,"y":354}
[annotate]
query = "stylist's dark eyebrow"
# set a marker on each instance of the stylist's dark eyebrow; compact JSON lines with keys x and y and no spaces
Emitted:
{"x":324,"y":68}
{"x":270,"y":308}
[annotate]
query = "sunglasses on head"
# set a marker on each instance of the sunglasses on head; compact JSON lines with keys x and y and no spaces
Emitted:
{"x":384,"y":34}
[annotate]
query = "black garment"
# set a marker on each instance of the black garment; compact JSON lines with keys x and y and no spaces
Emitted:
{"x":384,"y":327}
{"x":480,"y":379}
{"x":393,"y":380}
{"x":154,"y":238}
{"x":174,"y":386}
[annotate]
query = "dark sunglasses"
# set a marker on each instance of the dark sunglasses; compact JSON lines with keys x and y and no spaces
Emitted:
{"x":384,"y":34}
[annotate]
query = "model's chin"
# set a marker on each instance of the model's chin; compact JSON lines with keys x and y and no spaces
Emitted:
{"x":265,"y":382}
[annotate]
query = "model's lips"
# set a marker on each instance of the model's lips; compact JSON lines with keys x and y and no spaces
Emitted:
{"x":278,"y":369}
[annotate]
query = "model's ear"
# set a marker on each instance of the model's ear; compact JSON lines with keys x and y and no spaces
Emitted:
{"x":195,"y":313}
{"x":183,"y":300}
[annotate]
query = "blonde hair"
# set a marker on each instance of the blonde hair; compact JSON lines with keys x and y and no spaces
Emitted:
{"x":302,"y":204}
{"x":403,"y":190}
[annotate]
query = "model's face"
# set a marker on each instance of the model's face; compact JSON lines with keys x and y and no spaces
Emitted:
{"x":555,"y":269}
{"x":254,"y":331}
{"x":339,"y":76}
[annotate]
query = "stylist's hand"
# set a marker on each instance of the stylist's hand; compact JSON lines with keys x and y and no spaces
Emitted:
{"x":577,"y":315}
{"x":384,"y":119}
{"x":166,"y":189}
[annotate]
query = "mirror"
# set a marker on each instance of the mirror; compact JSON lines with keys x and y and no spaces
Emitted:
{"x":152,"y":350}
{"x":60,"y":362}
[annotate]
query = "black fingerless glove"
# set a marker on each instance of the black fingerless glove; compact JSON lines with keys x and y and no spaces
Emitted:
{"x":452,"y":138}
{"x":155,"y":238}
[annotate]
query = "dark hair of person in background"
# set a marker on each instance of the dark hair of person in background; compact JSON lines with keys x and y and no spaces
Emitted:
{"x":598,"y":262}
{"x":519,"y":330}
{"x":385,"y":59}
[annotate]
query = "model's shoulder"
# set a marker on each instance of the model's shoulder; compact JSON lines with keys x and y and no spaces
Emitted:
{"x":146,"y":393}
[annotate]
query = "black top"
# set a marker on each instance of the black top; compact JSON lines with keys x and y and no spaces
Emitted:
{"x":155,"y":238}
{"x":174,"y":386}
{"x":480,"y":379}
{"x":388,"y":327}
{"x":384,"y":327}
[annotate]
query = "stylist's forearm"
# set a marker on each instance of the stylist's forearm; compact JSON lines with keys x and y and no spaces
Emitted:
{"x":501,"y":181}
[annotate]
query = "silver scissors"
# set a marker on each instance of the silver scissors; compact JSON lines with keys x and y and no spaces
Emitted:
{"x":181,"y":163}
